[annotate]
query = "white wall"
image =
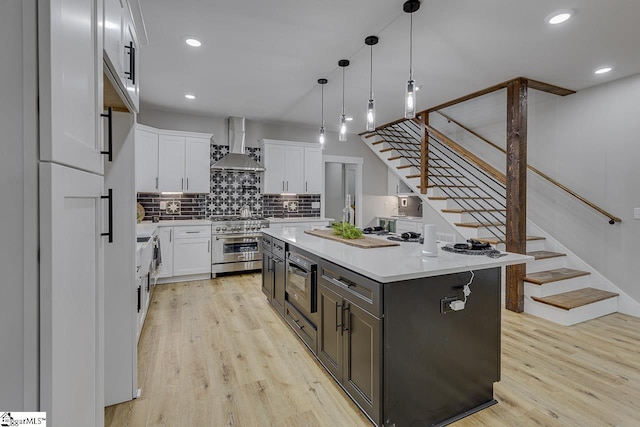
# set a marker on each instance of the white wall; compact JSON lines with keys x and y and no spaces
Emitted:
{"x":18,"y":210}
{"x":374,"y":180}
{"x":588,"y":142}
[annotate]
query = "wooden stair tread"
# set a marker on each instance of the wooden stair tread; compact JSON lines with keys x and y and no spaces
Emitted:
{"x":495,"y":240}
{"x":575,"y":299}
{"x":405,"y":166}
{"x":545,"y":254}
{"x":437,"y":197}
{"x":460,"y":210}
{"x":377,"y":142}
{"x":451,"y":186}
{"x":478,"y":224}
{"x":549,"y":276}
{"x":471,"y":197}
{"x":384,"y":150}
{"x":416,"y":175}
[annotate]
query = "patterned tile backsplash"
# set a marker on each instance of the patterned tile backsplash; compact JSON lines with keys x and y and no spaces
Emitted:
{"x":230,"y":191}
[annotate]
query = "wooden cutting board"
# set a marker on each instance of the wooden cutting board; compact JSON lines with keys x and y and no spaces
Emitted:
{"x":364,"y":242}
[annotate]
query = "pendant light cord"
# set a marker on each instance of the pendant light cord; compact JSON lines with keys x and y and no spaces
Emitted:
{"x":342,"y":90}
{"x":411,"y":47}
{"x":371,"y":75}
{"x":322,"y":107}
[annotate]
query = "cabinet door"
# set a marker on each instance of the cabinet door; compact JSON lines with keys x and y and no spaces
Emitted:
{"x":113,"y":32}
{"x":198,"y":165}
{"x":362,"y":353}
{"x":171,"y":163}
{"x":330,"y":340}
{"x":146,"y":162}
{"x":279,"y":277}
{"x":274,"y":175}
{"x":165,"y":235}
{"x":267,"y":275}
{"x":71,"y":296}
{"x":131,"y":59}
{"x":192,"y":256}
{"x":294,"y":167}
{"x":313,"y":170}
{"x":70,"y":94}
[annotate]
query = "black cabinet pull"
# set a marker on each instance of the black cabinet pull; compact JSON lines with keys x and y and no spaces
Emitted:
{"x":109,"y":116}
{"x":339,"y":324}
{"x":131,"y":74}
{"x":139,"y":298}
{"x":148,"y":281}
{"x":347,"y":309}
{"x":110,"y":232}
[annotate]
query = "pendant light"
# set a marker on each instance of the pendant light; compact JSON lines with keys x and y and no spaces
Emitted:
{"x":321,"y":138}
{"x":409,"y":7}
{"x":342,"y":135}
{"x":371,"y":111}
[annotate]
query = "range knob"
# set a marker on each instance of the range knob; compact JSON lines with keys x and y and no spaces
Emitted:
{"x":224,"y":228}
{"x":217,"y":228}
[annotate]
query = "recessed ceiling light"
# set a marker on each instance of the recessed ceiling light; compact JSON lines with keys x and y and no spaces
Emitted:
{"x":560,"y":16}
{"x":603,"y":70}
{"x":349,"y":119}
{"x":193,"y":42}
{"x":189,"y":96}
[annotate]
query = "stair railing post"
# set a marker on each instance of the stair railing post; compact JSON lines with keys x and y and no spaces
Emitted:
{"x":516,"y":230}
{"x":424,"y":152}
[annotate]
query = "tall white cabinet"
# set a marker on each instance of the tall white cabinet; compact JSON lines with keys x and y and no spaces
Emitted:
{"x":291,"y":167}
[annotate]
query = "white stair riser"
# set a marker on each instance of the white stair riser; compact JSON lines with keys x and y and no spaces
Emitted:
{"x":483,"y":217}
{"x":532,"y":245}
{"x":559,"y":287}
{"x":489,"y":231}
{"x":547,"y":264}
{"x":470,"y":204}
{"x":574,"y":316}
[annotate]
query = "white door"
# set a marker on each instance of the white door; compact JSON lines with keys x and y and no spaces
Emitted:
{"x":198,"y":165}
{"x":274,"y":175}
{"x":71,"y":296}
{"x":165,"y":234}
{"x":131,"y":59}
{"x":192,"y":256}
{"x":146,"y":162}
{"x":113,"y":31}
{"x":313,"y":170}
{"x":69,"y":90}
{"x":171,"y":163}
{"x":294,"y":163}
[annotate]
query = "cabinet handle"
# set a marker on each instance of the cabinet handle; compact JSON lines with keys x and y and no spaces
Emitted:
{"x":282,"y":185}
{"x":342,"y":282}
{"x":187,"y":183}
{"x":182,"y":183}
{"x":139,"y":298}
{"x":339,"y":324}
{"x":156,"y":182}
{"x":148,"y":281}
{"x":209,"y":246}
{"x":170,"y":234}
{"x":131,"y":74}
{"x":297,"y":322}
{"x":346,"y":308}
{"x":109,"y":116}
{"x":110,"y":232}
{"x":287,"y":185}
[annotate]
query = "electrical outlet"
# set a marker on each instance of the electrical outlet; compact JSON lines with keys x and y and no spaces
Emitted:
{"x":444,"y":304}
{"x":285,"y":204}
{"x":163,"y":206}
{"x":315,"y":205}
{"x":403,"y":202}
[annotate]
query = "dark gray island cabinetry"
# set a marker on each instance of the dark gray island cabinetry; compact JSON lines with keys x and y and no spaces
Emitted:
{"x":385,"y":330}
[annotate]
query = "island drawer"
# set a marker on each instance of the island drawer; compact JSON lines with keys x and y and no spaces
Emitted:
{"x":305,"y":329}
{"x":278,"y":248}
{"x":360,"y":290}
{"x":266,"y":243}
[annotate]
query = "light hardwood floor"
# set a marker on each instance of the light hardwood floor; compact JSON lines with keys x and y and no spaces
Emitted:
{"x":213,"y":353}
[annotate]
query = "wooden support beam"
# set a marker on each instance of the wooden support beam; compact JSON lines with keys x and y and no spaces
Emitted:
{"x":516,"y":230}
{"x":424,"y":153}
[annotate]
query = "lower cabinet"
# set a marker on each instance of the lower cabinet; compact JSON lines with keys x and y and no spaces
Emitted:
{"x":185,"y":251}
{"x":278,"y":248}
{"x":267,"y":267}
{"x":165,"y":234}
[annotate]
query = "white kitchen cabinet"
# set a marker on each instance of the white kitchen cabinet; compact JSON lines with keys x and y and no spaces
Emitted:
{"x":121,"y":53}
{"x":395,"y":186}
{"x":165,"y":235}
{"x":192,"y":250}
{"x":171,"y":160}
{"x":198,"y":165}
{"x":146,"y":161}
{"x":291,"y":167}
{"x":313,"y":170}
{"x":70,"y":83}
{"x":71,"y":295}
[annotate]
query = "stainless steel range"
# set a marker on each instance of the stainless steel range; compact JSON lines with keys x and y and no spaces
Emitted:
{"x":237,"y":243}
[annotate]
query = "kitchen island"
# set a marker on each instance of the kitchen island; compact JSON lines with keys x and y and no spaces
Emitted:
{"x":382,"y":322}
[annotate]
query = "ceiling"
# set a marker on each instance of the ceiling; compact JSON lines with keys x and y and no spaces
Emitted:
{"x":262,"y":59}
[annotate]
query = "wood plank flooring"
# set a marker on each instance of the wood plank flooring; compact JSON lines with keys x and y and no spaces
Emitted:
{"x":213,"y":353}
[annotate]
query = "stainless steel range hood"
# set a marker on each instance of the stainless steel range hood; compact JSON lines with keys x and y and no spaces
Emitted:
{"x":237,"y":159}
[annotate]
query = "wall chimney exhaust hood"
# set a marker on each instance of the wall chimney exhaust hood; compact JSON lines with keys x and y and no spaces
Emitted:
{"x":237,"y":159}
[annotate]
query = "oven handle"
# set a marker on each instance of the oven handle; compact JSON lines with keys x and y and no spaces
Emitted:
{"x":297,"y":270}
{"x":251,"y":236}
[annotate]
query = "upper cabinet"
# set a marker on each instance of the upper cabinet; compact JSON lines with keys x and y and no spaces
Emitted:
{"x":396,"y":186}
{"x":172,"y":161}
{"x":121,"y":52}
{"x":70,"y":83}
{"x":291,"y":167}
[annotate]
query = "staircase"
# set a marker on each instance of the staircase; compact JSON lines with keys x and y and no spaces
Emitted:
{"x":470,"y":195}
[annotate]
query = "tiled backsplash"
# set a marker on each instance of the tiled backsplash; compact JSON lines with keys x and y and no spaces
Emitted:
{"x":274,"y":205}
{"x":230,"y":191}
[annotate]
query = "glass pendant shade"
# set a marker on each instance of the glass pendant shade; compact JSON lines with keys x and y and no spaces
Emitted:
{"x":371,"y":115}
{"x":321,"y":138}
{"x":342,"y":136}
{"x":410,"y":100}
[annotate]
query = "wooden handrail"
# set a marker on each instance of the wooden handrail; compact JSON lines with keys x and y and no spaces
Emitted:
{"x":612,"y":218}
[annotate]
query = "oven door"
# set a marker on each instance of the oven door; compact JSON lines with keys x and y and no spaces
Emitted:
{"x":238,"y":248}
{"x":300,"y":287}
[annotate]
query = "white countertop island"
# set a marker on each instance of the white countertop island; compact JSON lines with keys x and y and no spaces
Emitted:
{"x":391,"y":264}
